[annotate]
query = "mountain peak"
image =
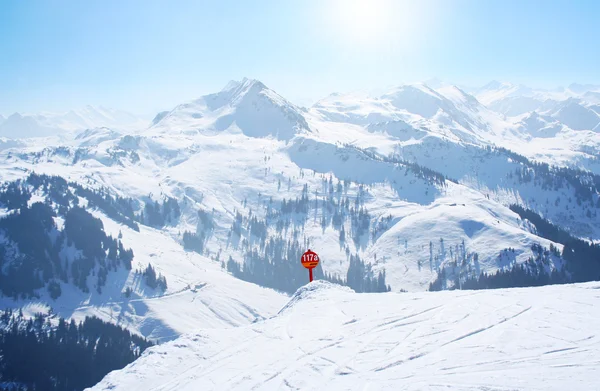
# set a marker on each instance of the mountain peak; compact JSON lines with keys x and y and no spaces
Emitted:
{"x":232,"y":84}
{"x":243,"y":84}
{"x":435,"y":83}
{"x":495,"y":85}
{"x":15,"y":116}
{"x":246,"y":104}
{"x":252,"y":82}
{"x":583,"y":88}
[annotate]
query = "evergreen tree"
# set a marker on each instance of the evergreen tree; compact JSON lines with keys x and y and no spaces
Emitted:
{"x":67,"y":357}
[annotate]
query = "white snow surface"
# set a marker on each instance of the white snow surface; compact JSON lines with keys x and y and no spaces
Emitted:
{"x":328,"y":337}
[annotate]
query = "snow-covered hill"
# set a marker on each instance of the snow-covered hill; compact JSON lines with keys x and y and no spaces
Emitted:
{"x":328,"y":337}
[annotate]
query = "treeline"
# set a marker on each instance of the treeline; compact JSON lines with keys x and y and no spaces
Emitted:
{"x":154,"y":280}
{"x":37,"y":257}
{"x":37,"y":253}
{"x":158,"y":215}
{"x":361,"y":278}
{"x":117,"y":208}
{"x":278,"y":267}
{"x":58,"y":190}
{"x":335,"y":207}
{"x":273,"y":261}
{"x":86,"y":233}
{"x":298,"y":205}
{"x":193,"y":242}
{"x":205,"y":227}
{"x":538,"y":270}
{"x":583,"y":258}
{"x":44,"y":354}
{"x":419,"y":171}
{"x":65,"y":194}
{"x":454,"y":264}
{"x":586,"y":184}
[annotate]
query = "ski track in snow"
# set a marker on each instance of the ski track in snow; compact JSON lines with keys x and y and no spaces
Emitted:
{"x":513,"y":339}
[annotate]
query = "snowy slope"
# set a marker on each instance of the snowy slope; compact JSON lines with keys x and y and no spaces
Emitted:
{"x":328,"y":337}
{"x":199,"y":294}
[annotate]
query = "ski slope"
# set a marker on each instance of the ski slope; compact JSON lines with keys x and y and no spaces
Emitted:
{"x":328,"y":337}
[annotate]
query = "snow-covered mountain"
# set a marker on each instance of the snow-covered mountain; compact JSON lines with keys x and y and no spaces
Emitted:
{"x":395,"y":189}
{"x":19,"y":126}
{"x":327,"y":337}
{"x":248,"y":106}
{"x":539,"y":125}
{"x":514,"y":100}
{"x":575,"y":115}
{"x":448,"y":112}
{"x":583,"y":88}
{"x":48,"y":124}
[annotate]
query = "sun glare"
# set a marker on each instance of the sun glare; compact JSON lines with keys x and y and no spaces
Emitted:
{"x":362,"y":20}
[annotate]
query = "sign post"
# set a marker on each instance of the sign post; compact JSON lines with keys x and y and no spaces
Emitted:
{"x":310,"y":260}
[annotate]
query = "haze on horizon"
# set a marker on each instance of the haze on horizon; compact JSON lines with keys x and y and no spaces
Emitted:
{"x":146,"y":56}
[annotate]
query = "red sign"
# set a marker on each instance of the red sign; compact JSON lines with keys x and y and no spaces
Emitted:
{"x":310,"y":260}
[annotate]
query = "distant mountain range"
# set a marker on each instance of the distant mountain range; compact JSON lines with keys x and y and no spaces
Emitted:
{"x":20,"y":125}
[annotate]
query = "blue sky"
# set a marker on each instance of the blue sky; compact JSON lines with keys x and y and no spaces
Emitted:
{"x":145,"y":55}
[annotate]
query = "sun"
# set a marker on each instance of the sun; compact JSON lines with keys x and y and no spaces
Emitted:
{"x":361,"y":20}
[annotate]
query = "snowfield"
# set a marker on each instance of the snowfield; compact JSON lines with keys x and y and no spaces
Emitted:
{"x":328,"y":337}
